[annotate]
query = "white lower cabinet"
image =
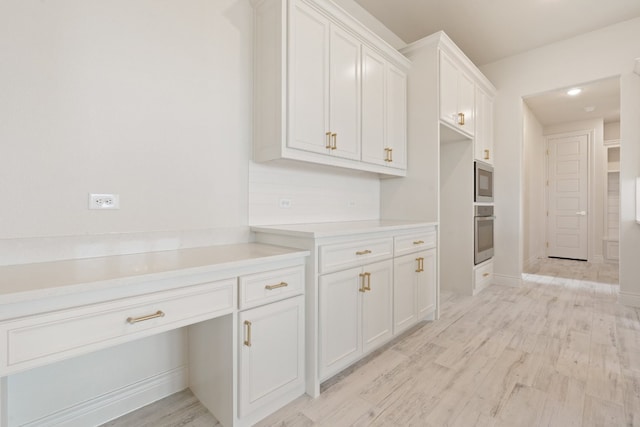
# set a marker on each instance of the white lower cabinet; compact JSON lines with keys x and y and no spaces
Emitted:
{"x":270,"y":342}
{"x":414,"y":291}
{"x":271,"y":353}
{"x":355,"y":314}
{"x":361,"y":281}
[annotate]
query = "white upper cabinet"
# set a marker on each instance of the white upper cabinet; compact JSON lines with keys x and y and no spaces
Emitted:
{"x":384,"y":112}
{"x":327,"y":90}
{"x":457,"y":96}
{"x":484,"y":127}
{"x":309,"y":82}
{"x":344,"y":98}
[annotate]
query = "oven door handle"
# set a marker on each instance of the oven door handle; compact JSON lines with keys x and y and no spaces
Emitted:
{"x":485,"y":218}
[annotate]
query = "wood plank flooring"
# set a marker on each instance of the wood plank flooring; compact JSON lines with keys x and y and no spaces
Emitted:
{"x":554,"y":352}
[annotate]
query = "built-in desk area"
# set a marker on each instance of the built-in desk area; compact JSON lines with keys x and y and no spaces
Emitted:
{"x":229,"y":297}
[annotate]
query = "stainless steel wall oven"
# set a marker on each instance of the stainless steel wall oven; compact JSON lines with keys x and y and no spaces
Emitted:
{"x":483,"y":233}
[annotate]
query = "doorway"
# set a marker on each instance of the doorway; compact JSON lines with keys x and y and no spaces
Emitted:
{"x":568,"y":196}
{"x":575,"y":130}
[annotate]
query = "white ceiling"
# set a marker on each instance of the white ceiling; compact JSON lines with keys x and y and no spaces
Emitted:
{"x":488,"y":30}
{"x":556,"y":107}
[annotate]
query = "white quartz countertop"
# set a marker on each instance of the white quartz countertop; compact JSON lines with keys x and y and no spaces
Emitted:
{"x":336,"y":229}
{"x":24,"y":282}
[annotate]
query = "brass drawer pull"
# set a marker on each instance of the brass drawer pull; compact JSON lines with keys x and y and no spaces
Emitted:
{"x":420,"y":265}
{"x":365,"y":252}
{"x":279,"y":285}
{"x":362,"y":288}
{"x":486,"y":275}
{"x":334,"y":146}
{"x":133,"y":320}
{"x":461,"y":119}
{"x":486,"y":154}
{"x":368,"y":277}
{"x":388,"y":155}
{"x":247,"y":341}
{"x":418,"y":242}
{"x":328,"y":135}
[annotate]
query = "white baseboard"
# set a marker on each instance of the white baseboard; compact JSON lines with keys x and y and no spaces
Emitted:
{"x":628,"y":298}
{"x":504,"y":280}
{"x":116,"y":403}
{"x":597,"y":259}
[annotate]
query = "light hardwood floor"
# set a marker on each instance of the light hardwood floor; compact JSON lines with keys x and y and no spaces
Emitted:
{"x":554,"y":352}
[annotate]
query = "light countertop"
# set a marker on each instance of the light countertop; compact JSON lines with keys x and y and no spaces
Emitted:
{"x":336,"y":229}
{"x":24,"y":282}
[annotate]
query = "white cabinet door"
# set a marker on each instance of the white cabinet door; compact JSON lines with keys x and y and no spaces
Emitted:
{"x":426,"y":283}
{"x":308,"y":80}
{"x":344,"y":98}
{"x":373,"y":108}
{"x":377,"y":309}
{"x":384,"y":112}
{"x":466,"y":103}
{"x":457,"y":96}
{"x":396,"y":116}
{"x":271,"y":352}
{"x":404,"y":292}
{"x":339,"y":318}
{"x":484,"y":127}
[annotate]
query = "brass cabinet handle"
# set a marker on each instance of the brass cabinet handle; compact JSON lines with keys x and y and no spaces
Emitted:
{"x":420,"y":265}
{"x":328,"y":145}
{"x":133,"y":320}
{"x":334,"y":146}
{"x":247,"y":341}
{"x":486,"y":154}
{"x":279,"y":285}
{"x":362,"y":288}
{"x":418,"y":242}
{"x":485,"y":275}
{"x":368,"y":277}
{"x":365,"y":252}
{"x":388,"y":157}
{"x":461,"y":119}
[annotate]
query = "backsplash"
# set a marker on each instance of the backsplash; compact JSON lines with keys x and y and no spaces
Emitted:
{"x":287,"y":193}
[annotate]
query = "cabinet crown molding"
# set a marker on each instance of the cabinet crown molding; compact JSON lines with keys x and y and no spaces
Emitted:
{"x":441,"y":40}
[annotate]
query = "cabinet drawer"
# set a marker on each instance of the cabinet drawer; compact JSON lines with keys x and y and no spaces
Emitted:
{"x":270,"y":286}
{"x":405,"y":244}
{"x":41,"y":339}
{"x":351,"y":254}
{"x":483,"y":274}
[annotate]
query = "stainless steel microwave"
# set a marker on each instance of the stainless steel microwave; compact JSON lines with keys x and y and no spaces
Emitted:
{"x":483,"y":182}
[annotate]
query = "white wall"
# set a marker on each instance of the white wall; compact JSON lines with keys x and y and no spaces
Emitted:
{"x":534,"y":196}
{"x":611,"y":131}
{"x":151,"y":100}
{"x":600,"y":54}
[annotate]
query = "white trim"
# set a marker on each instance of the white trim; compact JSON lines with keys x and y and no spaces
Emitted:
{"x":504,"y":280}
{"x":113,"y":404}
{"x":629,"y":298}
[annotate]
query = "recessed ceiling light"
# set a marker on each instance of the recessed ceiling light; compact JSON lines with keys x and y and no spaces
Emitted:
{"x":574,"y":91}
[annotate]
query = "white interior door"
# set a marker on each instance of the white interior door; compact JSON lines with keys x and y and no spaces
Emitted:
{"x":567,"y":225}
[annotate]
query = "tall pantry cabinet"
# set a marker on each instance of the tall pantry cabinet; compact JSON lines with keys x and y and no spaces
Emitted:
{"x":450,"y":125}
